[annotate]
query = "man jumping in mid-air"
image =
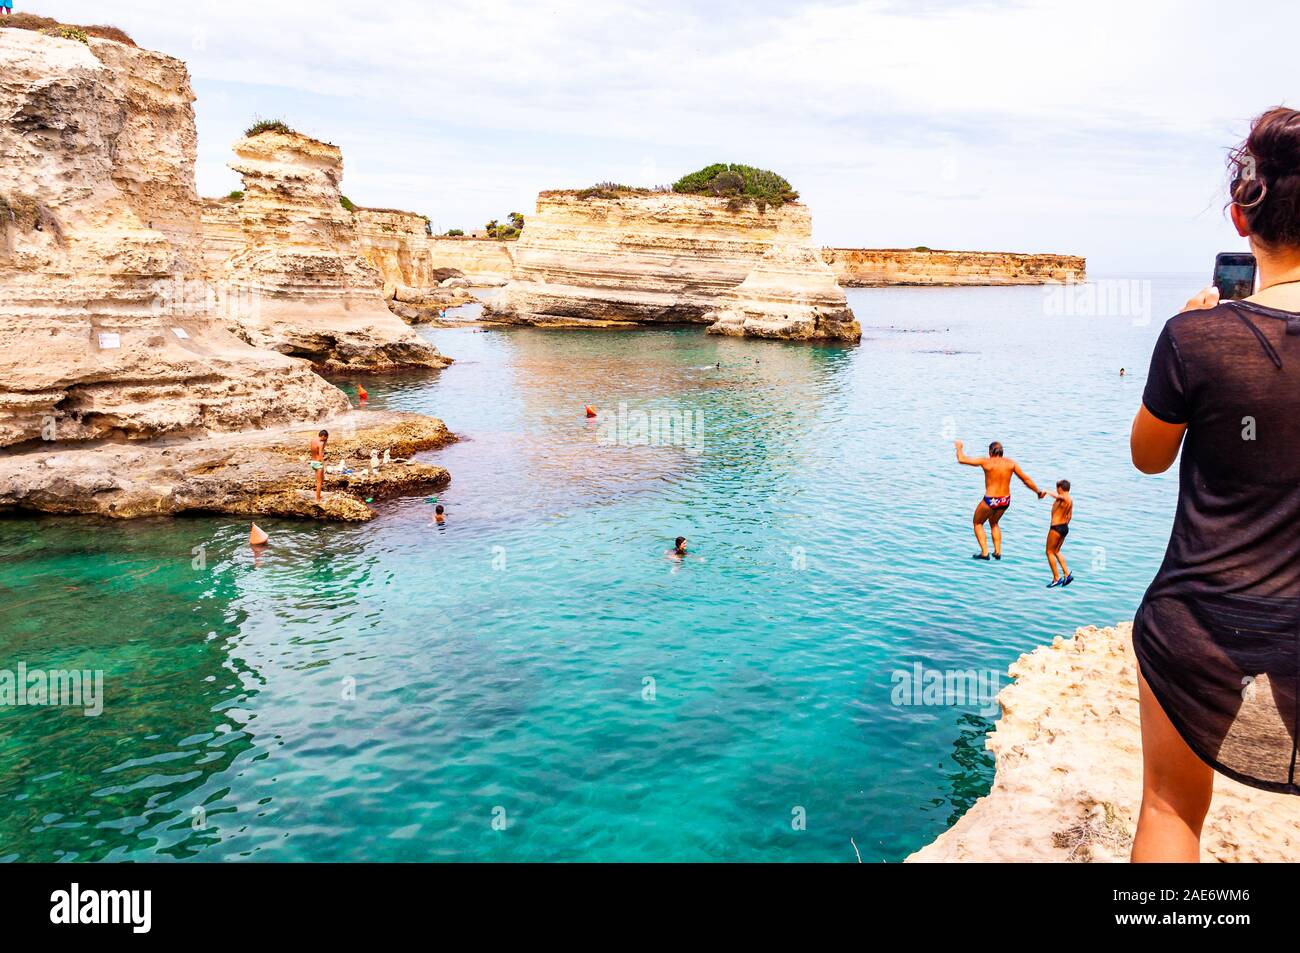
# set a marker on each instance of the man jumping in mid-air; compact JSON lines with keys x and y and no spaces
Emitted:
{"x":998,"y":469}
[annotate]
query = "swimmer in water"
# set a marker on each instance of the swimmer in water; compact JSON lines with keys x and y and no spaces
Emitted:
{"x":438,"y":516}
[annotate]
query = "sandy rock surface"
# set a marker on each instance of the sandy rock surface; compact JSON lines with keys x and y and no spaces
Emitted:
{"x":1069,"y":770}
{"x":262,"y":473}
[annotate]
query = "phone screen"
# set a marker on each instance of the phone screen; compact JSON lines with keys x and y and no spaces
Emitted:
{"x":1234,"y":276}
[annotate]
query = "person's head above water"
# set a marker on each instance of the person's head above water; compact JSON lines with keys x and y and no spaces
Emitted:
{"x":438,"y":509}
{"x":681,"y":544}
{"x":1063,"y":486}
{"x":995,"y":449}
{"x":1265,"y":189}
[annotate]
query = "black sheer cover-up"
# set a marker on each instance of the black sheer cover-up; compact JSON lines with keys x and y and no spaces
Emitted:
{"x":1218,"y":632}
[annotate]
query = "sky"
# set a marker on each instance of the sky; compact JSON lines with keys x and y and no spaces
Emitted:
{"x":1097,"y":128}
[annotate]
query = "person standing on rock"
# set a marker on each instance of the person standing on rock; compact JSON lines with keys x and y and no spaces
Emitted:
{"x":318,"y":444}
{"x":998,"y":469}
{"x":1217,"y":636}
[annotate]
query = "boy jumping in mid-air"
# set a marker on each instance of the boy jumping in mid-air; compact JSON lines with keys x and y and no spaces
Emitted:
{"x":1062,"y":513}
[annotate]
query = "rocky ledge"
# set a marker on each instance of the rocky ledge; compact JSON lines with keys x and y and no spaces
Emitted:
{"x":258,"y":473}
{"x":1069,"y":770}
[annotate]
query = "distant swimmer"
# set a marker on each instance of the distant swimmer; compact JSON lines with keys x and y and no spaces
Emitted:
{"x":439,"y":516}
{"x":1062,"y":513}
{"x":998,"y":469}
{"x":1122,"y":372}
{"x":679,"y":550}
{"x":318,"y":444}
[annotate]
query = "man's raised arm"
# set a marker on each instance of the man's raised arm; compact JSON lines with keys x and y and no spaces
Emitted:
{"x":965,"y":460}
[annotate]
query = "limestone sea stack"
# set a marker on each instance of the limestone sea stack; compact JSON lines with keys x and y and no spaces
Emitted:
{"x":99,"y":227}
{"x":1069,"y":771}
{"x":304,"y":286}
{"x":608,"y":258}
{"x":790,"y":294}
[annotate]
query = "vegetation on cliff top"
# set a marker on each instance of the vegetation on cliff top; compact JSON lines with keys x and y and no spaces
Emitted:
{"x":269,"y":125}
{"x":739,"y":183}
{"x":69,"y":31}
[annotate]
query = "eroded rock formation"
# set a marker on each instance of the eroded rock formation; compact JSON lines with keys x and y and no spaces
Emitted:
{"x":261,"y":473}
{"x":305,"y":287}
{"x":484,"y":261}
{"x":662,"y":257}
{"x":99,"y":226}
{"x":790,"y":294}
{"x":1069,"y":770}
{"x":396,"y":245}
{"x":882,"y":267}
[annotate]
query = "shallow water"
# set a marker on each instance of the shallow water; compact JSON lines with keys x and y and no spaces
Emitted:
{"x":539,"y":663}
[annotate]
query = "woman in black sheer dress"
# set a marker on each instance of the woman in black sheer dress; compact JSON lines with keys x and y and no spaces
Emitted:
{"x":1218,"y":633}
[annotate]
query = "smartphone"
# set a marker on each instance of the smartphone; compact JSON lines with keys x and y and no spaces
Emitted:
{"x":1234,"y":275}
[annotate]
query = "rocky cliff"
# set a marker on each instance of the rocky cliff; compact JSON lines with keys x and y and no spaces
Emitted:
{"x":1069,"y":770}
{"x":101,"y":333}
{"x":485,"y":261}
{"x":396,"y":244}
{"x":295,"y":257}
{"x":876,"y":267}
{"x":659,"y":257}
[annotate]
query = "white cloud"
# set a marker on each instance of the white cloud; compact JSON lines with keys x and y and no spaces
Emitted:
{"x":1047,"y":125}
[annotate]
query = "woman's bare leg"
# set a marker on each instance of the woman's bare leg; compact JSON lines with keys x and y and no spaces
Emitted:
{"x":1176,"y":790}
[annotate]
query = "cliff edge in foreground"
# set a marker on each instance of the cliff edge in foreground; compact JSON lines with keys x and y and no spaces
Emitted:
{"x":1069,"y":770}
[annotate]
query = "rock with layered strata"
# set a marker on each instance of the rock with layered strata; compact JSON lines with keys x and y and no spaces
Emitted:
{"x":105,"y":326}
{"x":886,"y":267}
{"x":1069,"y":771}
{"x":255,"y":473}
{"x":304,"y":285}
{"x":791,"y":294}
{"x":487,"y":262}
{"x":655,"y":257}
{"x":396,"y":245}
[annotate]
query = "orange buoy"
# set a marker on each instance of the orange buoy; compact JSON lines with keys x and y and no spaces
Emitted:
{"x":257,"y":536}
{"x":591,"y":411}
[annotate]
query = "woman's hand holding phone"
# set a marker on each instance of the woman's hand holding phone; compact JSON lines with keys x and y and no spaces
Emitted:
{"x":1209,"y":298}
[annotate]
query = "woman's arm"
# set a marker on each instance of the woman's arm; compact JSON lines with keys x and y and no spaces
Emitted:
{"x":1153,"y":443}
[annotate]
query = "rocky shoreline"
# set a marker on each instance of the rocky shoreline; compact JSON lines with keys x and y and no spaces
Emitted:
{"x":254,"y":473}
{"x":1069,"y":771}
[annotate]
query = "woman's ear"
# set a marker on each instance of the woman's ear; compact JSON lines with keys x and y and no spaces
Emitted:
{"x":1239,"y":220}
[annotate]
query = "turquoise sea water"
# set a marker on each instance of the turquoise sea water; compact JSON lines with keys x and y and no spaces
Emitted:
{"x":539,"y":663}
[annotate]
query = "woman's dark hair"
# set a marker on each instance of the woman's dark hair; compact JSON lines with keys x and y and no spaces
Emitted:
{"x":1265,"y":173}
{"x":680,"y":540}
